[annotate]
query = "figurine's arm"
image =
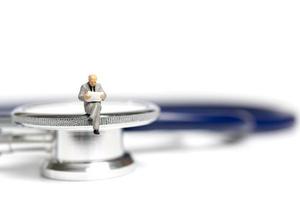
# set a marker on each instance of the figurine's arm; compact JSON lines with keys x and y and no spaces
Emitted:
{"x":82,"y":93}
{"x":101,"y":90}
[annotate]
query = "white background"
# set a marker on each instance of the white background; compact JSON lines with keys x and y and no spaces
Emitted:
{"x":159,"y":49}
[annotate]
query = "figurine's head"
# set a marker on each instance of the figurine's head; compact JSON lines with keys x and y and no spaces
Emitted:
{"x":92,"y":79}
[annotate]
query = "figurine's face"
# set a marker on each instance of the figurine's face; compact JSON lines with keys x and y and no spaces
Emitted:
{"x":92,"y":80}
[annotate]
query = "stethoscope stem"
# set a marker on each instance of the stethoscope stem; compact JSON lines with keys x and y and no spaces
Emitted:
{"x":27,"y":141}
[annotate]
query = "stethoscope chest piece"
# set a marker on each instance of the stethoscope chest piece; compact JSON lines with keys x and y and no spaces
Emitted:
{"x":75,"y":152}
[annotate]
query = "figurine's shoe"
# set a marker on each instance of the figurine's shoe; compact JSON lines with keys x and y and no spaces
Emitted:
{"x":96,"y":132}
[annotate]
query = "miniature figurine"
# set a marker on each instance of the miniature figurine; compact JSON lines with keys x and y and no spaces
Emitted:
{"x":92,"y":93}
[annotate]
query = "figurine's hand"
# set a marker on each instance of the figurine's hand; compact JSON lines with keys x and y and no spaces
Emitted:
{"x":102,"y":96}
{"x":86,"y":96}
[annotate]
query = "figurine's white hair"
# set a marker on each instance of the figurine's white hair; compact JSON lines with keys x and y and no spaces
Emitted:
{"x":92,"y":75}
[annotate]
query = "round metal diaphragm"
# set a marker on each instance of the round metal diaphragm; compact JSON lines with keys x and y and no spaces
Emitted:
{"x":71,"y":115}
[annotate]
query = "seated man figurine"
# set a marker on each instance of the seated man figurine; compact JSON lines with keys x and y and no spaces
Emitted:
{"x":89,"y":92}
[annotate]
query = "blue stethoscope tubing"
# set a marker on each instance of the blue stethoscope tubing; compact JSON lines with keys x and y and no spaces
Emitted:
{"x":220,"y":117}
{"x":217,"y":117}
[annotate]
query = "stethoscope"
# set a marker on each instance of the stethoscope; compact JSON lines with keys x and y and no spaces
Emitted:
{"x":63,"y":130}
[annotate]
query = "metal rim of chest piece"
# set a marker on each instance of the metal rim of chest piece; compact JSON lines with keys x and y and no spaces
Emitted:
{"x":76,"y":153}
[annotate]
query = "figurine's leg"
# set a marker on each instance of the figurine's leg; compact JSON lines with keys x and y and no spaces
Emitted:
{"x":96,"y":119}
{"x":94,"y":111}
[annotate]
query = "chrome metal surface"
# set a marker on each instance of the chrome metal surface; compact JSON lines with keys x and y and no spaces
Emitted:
{"x":84,"y":171}
{"x":87,"y":147}
{"x":71,"y":115}
{"x":76,"y":153}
